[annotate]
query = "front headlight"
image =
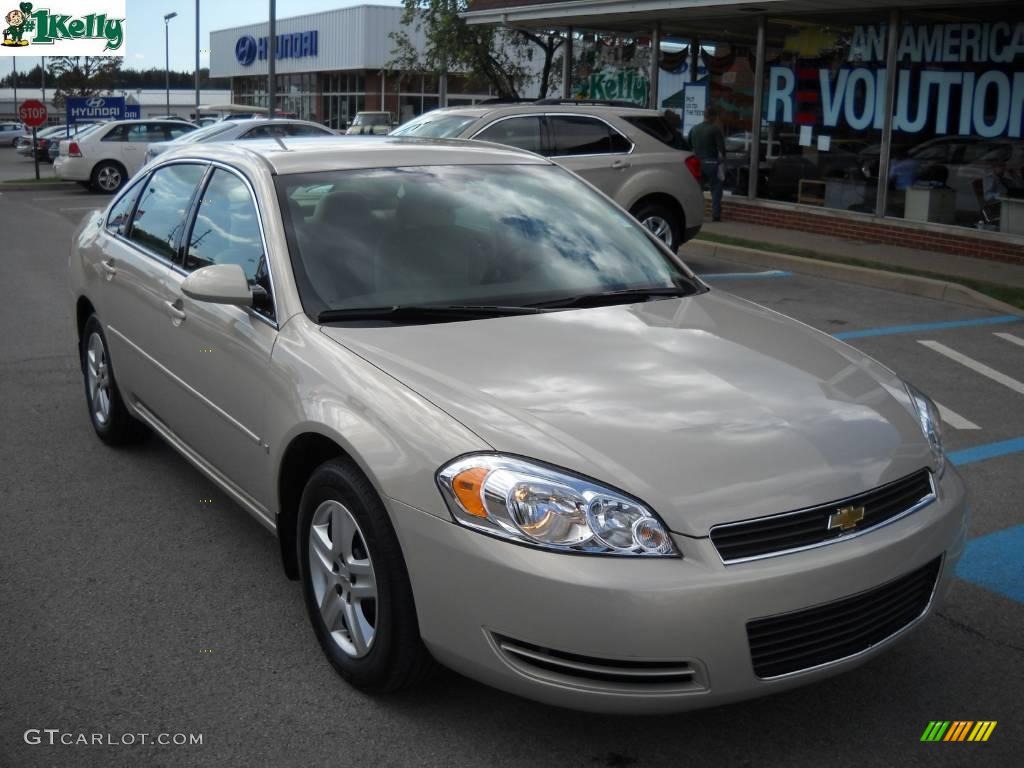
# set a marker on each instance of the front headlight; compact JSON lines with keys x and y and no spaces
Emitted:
{"x":931,"y":425}
{"x":533,"y":504}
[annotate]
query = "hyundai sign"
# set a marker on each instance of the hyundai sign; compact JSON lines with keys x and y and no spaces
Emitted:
{"x":95,"y":108}
{"x":296,"y":45}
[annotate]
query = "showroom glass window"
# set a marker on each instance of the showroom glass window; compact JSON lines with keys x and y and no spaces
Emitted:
{"x":957,"y":149}
{"x":824,"y":110}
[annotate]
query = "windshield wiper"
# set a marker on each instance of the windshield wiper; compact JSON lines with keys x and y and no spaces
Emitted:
{"x":622,"y":296}
{"x":416,"y":312}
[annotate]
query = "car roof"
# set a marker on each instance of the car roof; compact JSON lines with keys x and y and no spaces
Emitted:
{"x":304,"y":155}
{"x":150,"y":120}
{"x":524,"y":108}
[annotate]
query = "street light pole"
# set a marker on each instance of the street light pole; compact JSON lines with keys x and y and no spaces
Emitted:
{"x":197,"y":61}
{"x":167,"y":58}
{"x":271,"y":57}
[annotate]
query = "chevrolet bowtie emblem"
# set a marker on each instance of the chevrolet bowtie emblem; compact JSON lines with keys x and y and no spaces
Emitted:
{"x":845,"y":518}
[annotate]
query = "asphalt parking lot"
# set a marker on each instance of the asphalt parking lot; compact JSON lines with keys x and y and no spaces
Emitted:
{"x":129,"y":605}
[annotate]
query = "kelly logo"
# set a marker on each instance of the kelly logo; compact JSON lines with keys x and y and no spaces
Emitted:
{"x":96,"y":31}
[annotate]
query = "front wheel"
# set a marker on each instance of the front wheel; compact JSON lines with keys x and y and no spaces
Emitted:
{"x":661,"y":221}
{"x":355,"y":583}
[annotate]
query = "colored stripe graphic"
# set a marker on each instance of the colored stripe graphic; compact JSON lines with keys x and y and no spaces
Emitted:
{"x":958,"y":730}
{"x":935,"y":730}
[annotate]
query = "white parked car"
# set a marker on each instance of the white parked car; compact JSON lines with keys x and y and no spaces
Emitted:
{"x":106,"y":158}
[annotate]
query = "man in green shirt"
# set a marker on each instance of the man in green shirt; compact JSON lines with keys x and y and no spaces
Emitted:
{"x":708,"y":143}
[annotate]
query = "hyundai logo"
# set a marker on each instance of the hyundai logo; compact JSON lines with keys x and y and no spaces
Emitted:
{"x":95,"y":103}
{"x":245,"y":50}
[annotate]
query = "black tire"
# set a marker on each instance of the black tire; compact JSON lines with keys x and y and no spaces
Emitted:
{"x":108,"y":177}
{"x":648,"y":212}
{"x":119,"y":427}
{"x":396,"y":657}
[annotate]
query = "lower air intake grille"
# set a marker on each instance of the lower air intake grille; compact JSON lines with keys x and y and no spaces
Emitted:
{"x":609,"y":672}
{"x":791,"y":642}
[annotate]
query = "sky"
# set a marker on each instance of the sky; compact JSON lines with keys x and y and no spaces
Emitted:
{"x":144,"y":27}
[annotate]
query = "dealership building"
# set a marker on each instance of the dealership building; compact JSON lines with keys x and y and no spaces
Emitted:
{"x":332,"y":64}
{"x":931,"y":156}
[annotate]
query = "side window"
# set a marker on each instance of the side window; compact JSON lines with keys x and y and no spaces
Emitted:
{"x":579,"y":135}
{"x":304,"y":130}
{"x":264,"y":132}
{"x":226,"y":230}
{"x":117,"y":220}
{"x":163,"y":208}
{"x":521,"y":132}
{"x":174,"y":131}
{"x":117,"y":133}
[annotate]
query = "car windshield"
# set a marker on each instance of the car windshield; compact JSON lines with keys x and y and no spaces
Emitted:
{"x":203,"y":134}
{"x":490,"y":237}
{"x":372,"y":118}
{"x":435,"y":126}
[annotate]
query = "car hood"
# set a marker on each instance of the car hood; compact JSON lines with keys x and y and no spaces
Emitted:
{"x":708,"y":408}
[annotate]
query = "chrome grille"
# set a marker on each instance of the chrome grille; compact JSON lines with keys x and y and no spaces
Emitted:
{"x":791,"y":642}
{"x":790,"y":531}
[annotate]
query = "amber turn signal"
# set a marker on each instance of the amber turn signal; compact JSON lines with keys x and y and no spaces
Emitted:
{"x":467,"y":486}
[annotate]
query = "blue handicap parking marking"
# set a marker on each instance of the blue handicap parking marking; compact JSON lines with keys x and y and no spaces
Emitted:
{"x":745,"y":275}
{"x":924,"y":327}
{"x":996,"y":562}
{"x":987,"y":451}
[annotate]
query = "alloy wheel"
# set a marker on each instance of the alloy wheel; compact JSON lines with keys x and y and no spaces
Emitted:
{"x":98,"y":378}
{"x":108,"y":178}
{"x":342,"y":578}
{"x":660,"y":228}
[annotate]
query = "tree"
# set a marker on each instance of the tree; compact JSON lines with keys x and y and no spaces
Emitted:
{"x":82,"y":75}
{"x":496,"y":55}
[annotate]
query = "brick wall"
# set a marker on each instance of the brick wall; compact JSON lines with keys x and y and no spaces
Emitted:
{"x":871,"y":230}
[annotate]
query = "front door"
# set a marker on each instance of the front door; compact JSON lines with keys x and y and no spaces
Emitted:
{"x":136,"y":259}
{"x":220,"y":353}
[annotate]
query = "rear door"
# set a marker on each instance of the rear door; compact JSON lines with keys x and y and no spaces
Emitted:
{"x":135,"y":261}
{"x":592,"y":148}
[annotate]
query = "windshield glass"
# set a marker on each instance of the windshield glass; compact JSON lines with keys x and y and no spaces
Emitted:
{"x":435,"y":126}
{"x":372,"y":118}
{"x":203,"y":134}
{"x":509,"y":235}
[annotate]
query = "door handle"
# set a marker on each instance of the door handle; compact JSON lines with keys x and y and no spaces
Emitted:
{"x":175,"y":311}
{"x":620,"y":164}
{"x":109,"y":268}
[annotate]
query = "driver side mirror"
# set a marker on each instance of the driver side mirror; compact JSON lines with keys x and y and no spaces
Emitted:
{"x":219,"y":284}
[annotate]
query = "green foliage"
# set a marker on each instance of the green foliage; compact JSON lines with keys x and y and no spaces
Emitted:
{"x":495,"y":55}
{"x":81,"y":75}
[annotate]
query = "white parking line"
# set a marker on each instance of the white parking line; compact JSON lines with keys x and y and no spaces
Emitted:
{"x":975,"y":366}
{"x":954,"y":419}
{"x":1011,"y":338}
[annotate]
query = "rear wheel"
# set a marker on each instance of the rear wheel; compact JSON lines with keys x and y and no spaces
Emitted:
{"x":108,"y":176}
{"x":111,"y":420}
{"x":355,"y":583}
{"x":661,"y":221}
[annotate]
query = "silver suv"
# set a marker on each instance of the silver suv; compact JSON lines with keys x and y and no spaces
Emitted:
{"x":634,"y":156}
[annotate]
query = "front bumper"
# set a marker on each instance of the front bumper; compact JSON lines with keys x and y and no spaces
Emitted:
{"x":474,"y":593}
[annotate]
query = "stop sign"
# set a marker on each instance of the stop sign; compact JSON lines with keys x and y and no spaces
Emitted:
{"x":32,"y":113}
